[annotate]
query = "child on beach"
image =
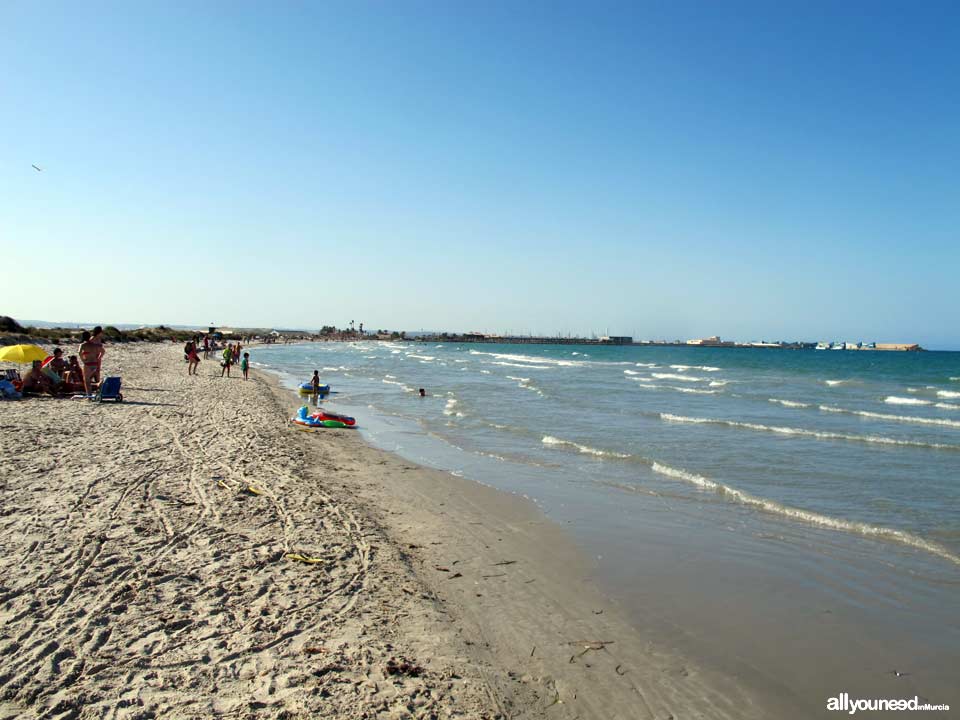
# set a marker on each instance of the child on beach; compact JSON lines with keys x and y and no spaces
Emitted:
{"x":315,"y":382}
{"x":227,"y":360}
{"x":245,"y":365}
{"x":193,"y":359}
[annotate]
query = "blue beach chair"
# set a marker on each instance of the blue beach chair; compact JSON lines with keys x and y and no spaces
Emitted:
{"x":110,"y":390}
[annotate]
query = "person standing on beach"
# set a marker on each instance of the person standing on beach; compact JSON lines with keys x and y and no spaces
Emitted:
{"x":193,"y":359}
{"x":88,"y":352}
{"x":315,"y":382}
{"x":97,"y":340}
{"x":245,"y":365}
{"x":227,"y":360}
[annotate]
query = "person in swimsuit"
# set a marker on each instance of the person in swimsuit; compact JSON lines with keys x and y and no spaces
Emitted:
{"x":89,"y":353}
{"x":97,"y":339}
{"x":74,"y":374}
{"x":245,"y":366}
{"x":55,"y":367}
{"x":193,"y":359}
{"x":35,"y":382}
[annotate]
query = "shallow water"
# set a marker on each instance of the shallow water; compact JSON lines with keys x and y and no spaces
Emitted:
{"x":724,"y":492}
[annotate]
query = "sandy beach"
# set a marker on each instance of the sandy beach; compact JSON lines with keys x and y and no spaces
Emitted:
{"x":188,"y":553}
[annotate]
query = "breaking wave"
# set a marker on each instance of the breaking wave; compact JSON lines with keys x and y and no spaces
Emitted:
{"x":526,"y":367}
{"x":674,"y":376}
{"x":803,"y":432}
{"x":654,"y":386}
{"x":529,"y":359}
{"x":812,"y":518}
{"x":550,"y":440}
{"x":705,"y":368}
{"x":893,"y":418}
{"x":525,"y":384}
{"x":790,"y":403}
{"x":894,"y":400}
{"x":948,"y":394}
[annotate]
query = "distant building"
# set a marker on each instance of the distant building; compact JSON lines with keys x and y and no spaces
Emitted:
{"x":713,"y":340}
{"x":899,"y":346}
{"x":617,"y":340}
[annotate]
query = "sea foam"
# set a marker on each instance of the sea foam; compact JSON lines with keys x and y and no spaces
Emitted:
{"x":893,"y":418}
{"x":894,"y":400}
{"x":674,"y":376}
{"x":803,"y":432}
{"x":790,"y":403}
{"x":550,"y":440}
{"x":812,"y":518}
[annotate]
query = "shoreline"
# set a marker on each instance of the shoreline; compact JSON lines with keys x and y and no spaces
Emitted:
{"x":791,"y":610}
{"x":187,"y":553}
{"x":525,"y":596}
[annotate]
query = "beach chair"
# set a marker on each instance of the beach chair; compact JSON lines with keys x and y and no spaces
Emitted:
{"x":11,"y":375}
{"x":110,"y":390}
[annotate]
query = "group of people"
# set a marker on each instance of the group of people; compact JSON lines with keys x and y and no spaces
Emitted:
{"x":231,"y":356}
{"x":57,"y":375}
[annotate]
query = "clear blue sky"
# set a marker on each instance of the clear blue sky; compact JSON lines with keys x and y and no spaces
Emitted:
{"x":758,"y":170}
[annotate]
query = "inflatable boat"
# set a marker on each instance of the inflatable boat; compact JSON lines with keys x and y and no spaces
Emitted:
{"x":307,"y":389}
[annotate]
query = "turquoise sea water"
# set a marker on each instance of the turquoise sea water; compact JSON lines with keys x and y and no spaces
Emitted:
{"x":865,"y":443}
{"x":788,"y":518}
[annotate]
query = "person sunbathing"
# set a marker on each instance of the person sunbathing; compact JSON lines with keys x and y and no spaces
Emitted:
{"x":35,"y":382}
{"x":55,"y":367}
{"x":74,"y":373}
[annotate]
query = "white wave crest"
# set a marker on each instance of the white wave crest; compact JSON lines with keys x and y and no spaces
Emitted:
{"x":831,"y":383}
{"x":718,"y":383}
{"x":512,"y":357}
{"x":426,"y":358}
{"x":893,"y":418}
{"x":525,"y":384}
{"x":803,"y":432}
{"x":705,"y":368}
{"x":550,"y":440}
{"x":655,"y":386}
{"x":630,"y":372}
{"x":450,"y":407}
{"x":806,"y":516}
{"x":894,"y":400}
{"x":947,"y":406}
{"x":525,"y":367}
{"x":948,"y":394}
{"x":674,"y":376}
{"x":790,"y":403}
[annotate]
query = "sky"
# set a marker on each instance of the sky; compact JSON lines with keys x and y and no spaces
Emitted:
{"x":755,"y":170}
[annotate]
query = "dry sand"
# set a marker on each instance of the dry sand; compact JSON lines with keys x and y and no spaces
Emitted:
{"x":152,"y":565}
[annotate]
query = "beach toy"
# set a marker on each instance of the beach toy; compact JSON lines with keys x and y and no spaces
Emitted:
{"x":320,"y":420}
{"x":327,"y":416}
{"x":307,"y":389}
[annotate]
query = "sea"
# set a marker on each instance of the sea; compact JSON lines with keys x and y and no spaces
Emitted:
{"x":789,"y":517}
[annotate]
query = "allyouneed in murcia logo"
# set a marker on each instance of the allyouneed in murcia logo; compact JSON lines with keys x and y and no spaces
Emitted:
{"x":844,"y":703}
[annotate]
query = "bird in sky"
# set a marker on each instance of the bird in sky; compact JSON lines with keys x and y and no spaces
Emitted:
{"x":36,"y":168}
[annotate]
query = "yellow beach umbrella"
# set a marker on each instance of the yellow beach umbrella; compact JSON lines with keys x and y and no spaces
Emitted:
{"x":22,"y":353}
